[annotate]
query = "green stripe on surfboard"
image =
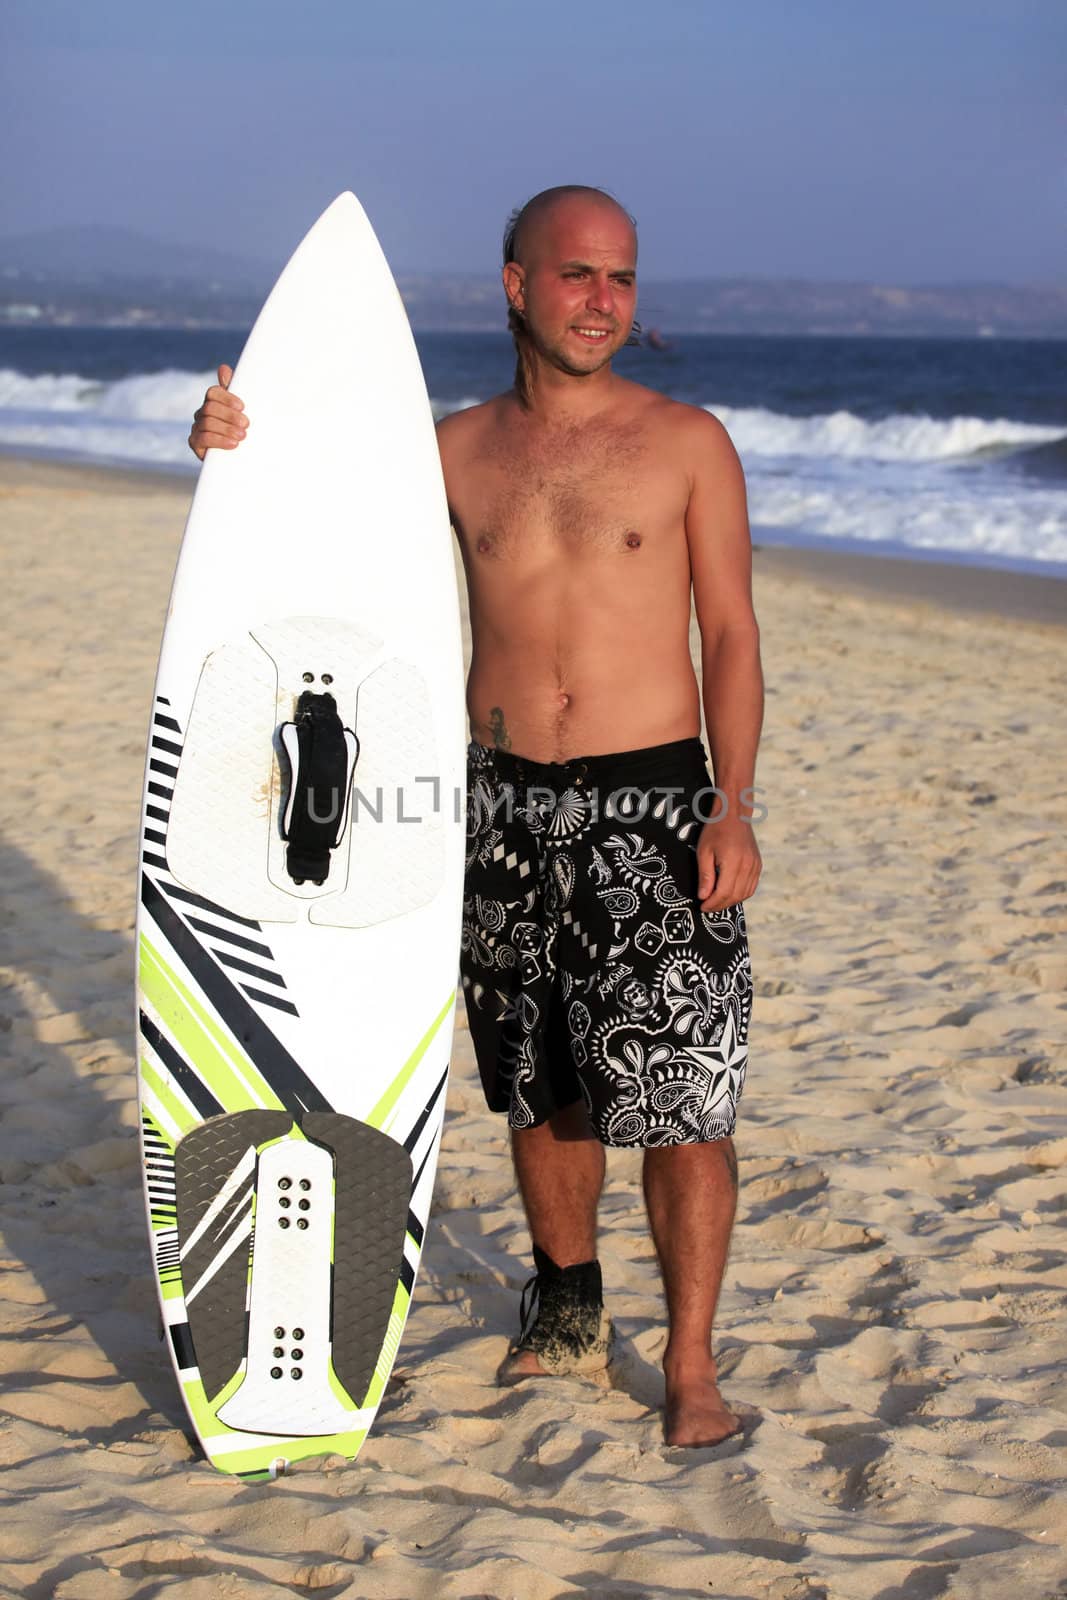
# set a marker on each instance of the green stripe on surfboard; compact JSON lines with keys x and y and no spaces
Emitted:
{"x":231,"y":1076}
{"x":381,"y":1115}
{"x":178,"y":1110}
{"x":156,"y":1127}
{"x":390,"y":1345}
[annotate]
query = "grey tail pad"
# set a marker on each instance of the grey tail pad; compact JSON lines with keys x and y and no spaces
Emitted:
{"x":372,"y":1178}
{"x":214,"y":1175}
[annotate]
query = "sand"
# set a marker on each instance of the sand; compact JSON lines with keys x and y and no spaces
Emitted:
{"x":893,"y":1315}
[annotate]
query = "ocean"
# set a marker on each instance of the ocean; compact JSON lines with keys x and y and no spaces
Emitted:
{"x":947,"y":449}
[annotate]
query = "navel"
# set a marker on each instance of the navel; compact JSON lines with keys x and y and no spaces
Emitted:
{"x":564,"y":701}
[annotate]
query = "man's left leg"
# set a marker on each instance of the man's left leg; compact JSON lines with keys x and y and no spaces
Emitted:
{"x":691,"y":1194}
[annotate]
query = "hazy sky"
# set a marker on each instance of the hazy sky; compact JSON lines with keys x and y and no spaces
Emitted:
{"x":906,"y":141}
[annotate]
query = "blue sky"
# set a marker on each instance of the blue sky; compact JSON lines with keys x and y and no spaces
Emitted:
{"x":918,"y":141}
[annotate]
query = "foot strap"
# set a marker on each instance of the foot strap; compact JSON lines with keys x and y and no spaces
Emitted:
{"x":321,"y":754}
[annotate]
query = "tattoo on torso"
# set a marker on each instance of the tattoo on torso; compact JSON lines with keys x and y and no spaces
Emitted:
{"x":499,"y":728}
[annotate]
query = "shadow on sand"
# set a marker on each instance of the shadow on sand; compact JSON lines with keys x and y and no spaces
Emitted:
{"x":76,"y":1239}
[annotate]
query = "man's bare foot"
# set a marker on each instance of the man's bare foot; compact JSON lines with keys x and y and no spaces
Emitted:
{"x":519,"y":1364}
{"x":559,"y":1362}
{"x":696,"y":1413}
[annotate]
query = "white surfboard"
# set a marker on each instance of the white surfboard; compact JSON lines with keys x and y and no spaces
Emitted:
{"x":302,"y":860}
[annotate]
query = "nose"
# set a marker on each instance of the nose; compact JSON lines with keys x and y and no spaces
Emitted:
{"x":601,"y":296}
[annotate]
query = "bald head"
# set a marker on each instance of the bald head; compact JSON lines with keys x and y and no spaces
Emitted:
{"x":567,"y":202}
{"x":570,"y":276}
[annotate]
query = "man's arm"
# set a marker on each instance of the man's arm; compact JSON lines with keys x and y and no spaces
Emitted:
{"x":449,"y":442}
{"x":459,"y":438}
{"x":720,"y":555}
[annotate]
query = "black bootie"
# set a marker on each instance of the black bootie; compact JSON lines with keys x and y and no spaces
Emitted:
{"x":562,"y":1322}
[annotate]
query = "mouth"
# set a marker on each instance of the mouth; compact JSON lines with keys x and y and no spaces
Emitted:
{"x":592,"y":335}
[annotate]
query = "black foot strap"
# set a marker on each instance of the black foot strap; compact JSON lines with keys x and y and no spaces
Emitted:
{"x":321,"y":753}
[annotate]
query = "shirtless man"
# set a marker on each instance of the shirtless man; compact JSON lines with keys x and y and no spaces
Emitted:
{"x":605,"y":962}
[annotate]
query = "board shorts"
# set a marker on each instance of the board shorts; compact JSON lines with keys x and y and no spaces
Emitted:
{"x":589,"y":971}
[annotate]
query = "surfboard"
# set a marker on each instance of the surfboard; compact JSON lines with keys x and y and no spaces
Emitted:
{"x":301,"y":874}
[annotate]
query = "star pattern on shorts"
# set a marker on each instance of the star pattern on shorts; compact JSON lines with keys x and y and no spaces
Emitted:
{"x":723,"y":1062}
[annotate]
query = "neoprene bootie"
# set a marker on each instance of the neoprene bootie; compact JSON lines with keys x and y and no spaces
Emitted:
{"x":562,"y":1322}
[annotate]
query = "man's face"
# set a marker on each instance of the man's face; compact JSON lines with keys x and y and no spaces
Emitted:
{"x":578,"y":288}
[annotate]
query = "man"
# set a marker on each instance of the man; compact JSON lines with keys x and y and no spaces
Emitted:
{"x":605,"y":962}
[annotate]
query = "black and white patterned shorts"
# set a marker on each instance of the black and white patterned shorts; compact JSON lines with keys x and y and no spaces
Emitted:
{"x":589,"y":970}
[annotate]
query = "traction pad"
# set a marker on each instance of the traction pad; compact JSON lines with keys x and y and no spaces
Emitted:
{"x":216,"y":1168}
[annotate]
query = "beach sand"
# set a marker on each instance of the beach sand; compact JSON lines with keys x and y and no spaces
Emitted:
{"x":893,"y":1319}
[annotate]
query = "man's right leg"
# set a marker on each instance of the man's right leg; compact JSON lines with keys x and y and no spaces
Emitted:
{"x":560,"y":1170}
{"x":523,"y":1050}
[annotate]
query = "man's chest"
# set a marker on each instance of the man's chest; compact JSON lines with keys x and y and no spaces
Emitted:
{"x":590,"y":492}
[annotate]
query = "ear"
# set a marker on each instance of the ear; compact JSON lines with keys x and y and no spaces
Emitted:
{"x":515,"y":285}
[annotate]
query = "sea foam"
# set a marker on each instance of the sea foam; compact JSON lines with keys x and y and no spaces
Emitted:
{"x":904,"y":479}
{"x":895,"y":438}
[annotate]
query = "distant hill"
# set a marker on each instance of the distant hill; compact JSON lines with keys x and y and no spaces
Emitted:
{"x":780,"y":306}
{"x":100,"y":274}
{"x":96,"y":273}
{"x":99,"y":254}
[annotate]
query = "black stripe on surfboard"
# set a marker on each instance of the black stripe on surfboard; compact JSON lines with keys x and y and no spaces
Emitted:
{"x":164,"y":767}
{"x":195,"y":1089}
{"x":182,"y":1340}
{"x":415,"y":1227}
{"x":161,"y":790}
{"x":202,"y":904}
{"x":163,"y":721}
{"x":274,"y":1000}
{"x":151,"y":860}
{"x":232,"y":938}
{"x":285,"y":1075}
{"x":413,"y":1137}
{"x":422,"y":1163}
{"x":158,"y":813}
{"x":407,"y":1274}
{"x":159,"y":743}
{"x":261,"y":974}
